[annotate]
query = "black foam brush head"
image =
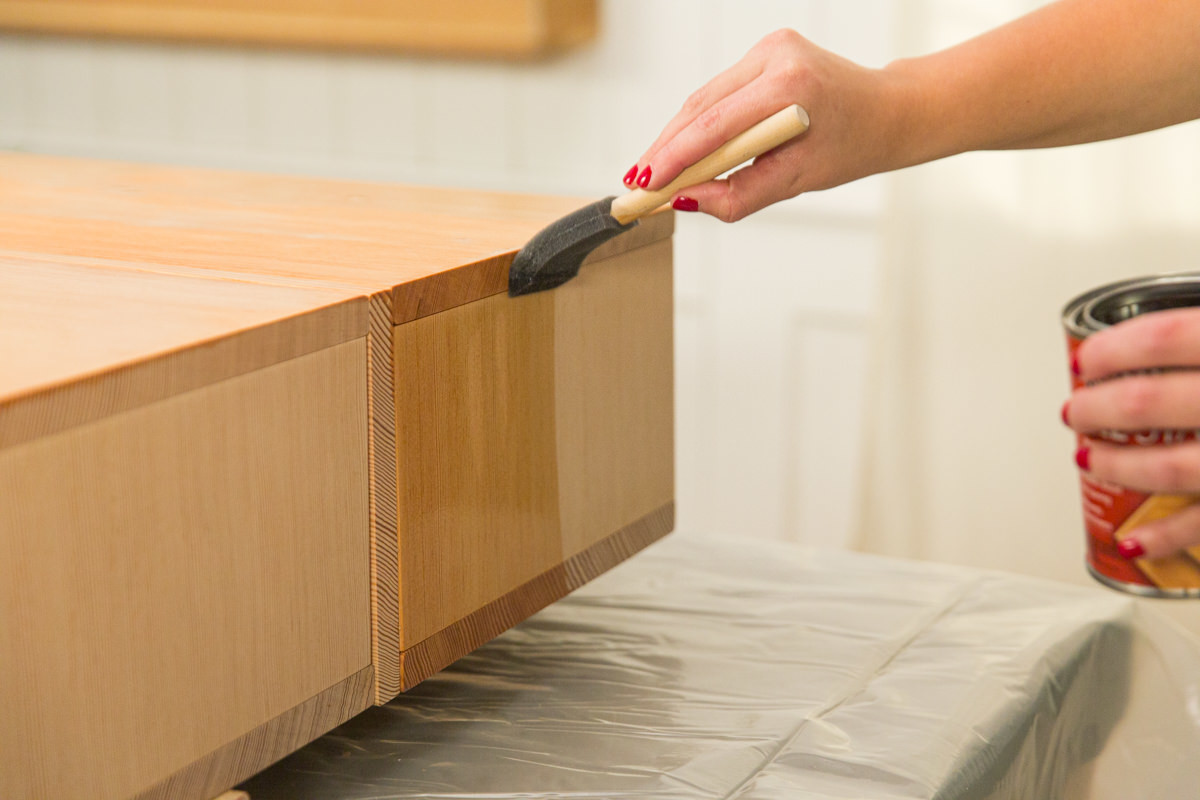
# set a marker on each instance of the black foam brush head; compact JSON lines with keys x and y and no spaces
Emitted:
{"x":553,"y":256}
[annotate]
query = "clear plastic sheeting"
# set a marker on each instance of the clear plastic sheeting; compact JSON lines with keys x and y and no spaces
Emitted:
{"x":730,"y":668}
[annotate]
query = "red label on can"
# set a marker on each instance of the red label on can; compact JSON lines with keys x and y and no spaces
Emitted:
{"x":1110,"y":511}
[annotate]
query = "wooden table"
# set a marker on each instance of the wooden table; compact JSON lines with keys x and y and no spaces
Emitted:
{"x":275,"y":449}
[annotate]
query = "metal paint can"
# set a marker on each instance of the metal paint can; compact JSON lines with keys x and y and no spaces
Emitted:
{"x":1110,"y":512}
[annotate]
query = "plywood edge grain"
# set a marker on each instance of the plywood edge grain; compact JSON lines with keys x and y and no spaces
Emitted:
{"x":385,"y":556}
{"x":615,"y":548}
{"x":124,"y":387}
{"x":445,"y":290}
{"x":449,"y":289}
{"x":437,"y":652}
{"x":257,"y":749}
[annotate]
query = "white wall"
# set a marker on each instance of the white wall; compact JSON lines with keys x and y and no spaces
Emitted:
{"x":772,"y":314}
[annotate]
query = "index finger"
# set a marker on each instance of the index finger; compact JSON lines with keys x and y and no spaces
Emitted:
{"x":743,"y":72}
{"x":1159,"y":339}
{"x":712,"y":128}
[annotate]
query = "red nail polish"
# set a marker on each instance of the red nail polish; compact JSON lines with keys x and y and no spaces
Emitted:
{"x":644,"y":179}
{"x":686,"y":204}
{"x":1130,"y":549}
{"x":631,"y":175}
{"x":1083,"y":457}
{"x":1075,"y":365}
{"x":1066,"y":406}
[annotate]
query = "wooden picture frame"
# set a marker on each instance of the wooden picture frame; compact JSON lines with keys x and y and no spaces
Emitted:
{"x":520,"y":29}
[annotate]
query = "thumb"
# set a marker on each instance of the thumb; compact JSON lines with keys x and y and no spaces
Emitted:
{"x":1169,"y":535}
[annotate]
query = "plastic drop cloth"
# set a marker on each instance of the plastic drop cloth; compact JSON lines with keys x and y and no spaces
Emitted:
{"x":732,"y":668}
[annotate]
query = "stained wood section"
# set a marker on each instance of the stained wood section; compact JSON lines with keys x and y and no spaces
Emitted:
{"x":434,"y":654}
{"x":529,"y":430}
{"x":277,"y":230}
{"x":475,"y":455}
{"x":250,"y":753}
{"x":176,"y":574}
{"x":445,"y":290}
{"x":505,"y":28}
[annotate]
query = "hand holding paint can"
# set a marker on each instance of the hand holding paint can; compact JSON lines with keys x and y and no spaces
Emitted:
{"x":1135,"y":407}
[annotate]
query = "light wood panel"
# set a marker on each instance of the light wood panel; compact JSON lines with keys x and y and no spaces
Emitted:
{"x":80,"y":340}
{"x":249,"y":753}
{"x":175,"y":575}
{"x":614,"y":394}
{"x":506,"y":28}
{"x":529,"y":431}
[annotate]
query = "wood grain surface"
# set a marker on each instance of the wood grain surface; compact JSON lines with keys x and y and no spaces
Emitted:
{"x":267,"y":228}
{"x":251,"y":752}
{"x":173,"y":576}
{"x":437,"y":652}
{"x":494,"y":28}
{"x":433,"y":248}
{"x":528,"y":430}
{"x":614,"y":394}
{"x":275,"y":438}
{"x":385,"y":559}
{"x":81,"y":340}
{"x":476,"y":455}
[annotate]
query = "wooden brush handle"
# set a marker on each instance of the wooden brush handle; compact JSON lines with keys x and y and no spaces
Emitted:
{"x":770,"y":133}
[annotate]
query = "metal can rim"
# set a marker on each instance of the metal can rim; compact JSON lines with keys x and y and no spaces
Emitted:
{"x":1143,"y":591}
{"x":1076,"y":315}
{"x":1072,"y":313}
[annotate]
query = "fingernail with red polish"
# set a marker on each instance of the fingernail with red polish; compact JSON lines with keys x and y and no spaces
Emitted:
{"x":644,"y":179}
{"x":1075,"y":365}
{"x":631,"y":176}
{"x":1083,"y":457}
{"x":686,"y":204}
{"x":1065,"y":408}
{"x":1130,"y":549}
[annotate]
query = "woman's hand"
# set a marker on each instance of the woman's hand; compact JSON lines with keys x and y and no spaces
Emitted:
{"x":854,"y":113}
{"x":1167,"y":400}
{"x":1071,"y":71}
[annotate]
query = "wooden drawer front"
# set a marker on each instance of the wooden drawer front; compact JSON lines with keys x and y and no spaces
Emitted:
{"x":529,"y":434}
{"x":181,"y":574}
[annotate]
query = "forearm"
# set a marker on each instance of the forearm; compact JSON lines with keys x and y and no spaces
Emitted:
{"x":1073,"y":71}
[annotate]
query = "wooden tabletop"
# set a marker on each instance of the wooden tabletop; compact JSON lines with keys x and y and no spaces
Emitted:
{"x":105,"y":264}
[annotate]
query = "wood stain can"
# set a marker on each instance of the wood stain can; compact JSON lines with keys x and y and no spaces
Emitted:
{"x":1111,"y":512}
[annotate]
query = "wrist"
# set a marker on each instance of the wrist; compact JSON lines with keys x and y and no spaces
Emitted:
{"x":915,"y":121}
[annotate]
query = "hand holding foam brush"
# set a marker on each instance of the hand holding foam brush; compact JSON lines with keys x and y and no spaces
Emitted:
{"x":553,"y":256}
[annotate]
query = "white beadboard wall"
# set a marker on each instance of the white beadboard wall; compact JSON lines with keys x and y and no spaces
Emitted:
{"x":772,"y":313}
